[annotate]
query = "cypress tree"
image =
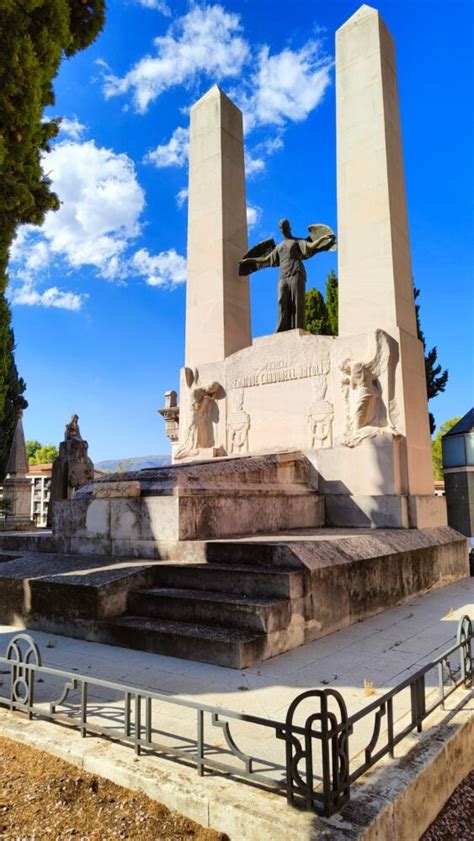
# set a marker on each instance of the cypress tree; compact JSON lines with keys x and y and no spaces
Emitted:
{"x":321,"y":314}
{"x":332,"y":303}
{"x":436,"y":378}
{"x":35,"y":36}
{"x":316,"y":314}
{"x":14,"y":388}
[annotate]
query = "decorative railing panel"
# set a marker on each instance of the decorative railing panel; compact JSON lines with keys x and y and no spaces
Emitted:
{"x":321,"y":754}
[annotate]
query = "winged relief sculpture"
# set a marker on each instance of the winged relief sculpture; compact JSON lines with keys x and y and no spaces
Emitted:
{"x":289,"y":255}
{"x":366,"y":390}
{"x":202,"y":413}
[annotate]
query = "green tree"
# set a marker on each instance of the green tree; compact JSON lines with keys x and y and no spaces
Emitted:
{"x":436,"y":378}
{"x":31,"y":448}
{"x":14,"y":387}
{"x":332,"y":303}
{"x":321,"y":315}
{"x":45,"y":454}
{"x":437,"y":449}
{"x":35,"y":35}
{"x":316,"y":314}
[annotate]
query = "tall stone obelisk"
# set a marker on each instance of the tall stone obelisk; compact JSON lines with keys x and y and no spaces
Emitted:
{"x":16,"y":486}
{"x":217,"y":302}
{"x":375,"y":275}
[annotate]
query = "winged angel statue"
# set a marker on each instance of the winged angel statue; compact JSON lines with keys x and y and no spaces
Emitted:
{"x":288,"y":255}
{"x":366,"y":389}
{"x":202,"y":414}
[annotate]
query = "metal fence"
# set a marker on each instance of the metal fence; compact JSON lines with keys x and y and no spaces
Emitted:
{"x":318,"y":769}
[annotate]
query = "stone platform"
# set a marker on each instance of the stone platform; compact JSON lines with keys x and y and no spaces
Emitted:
{"x":230,"y":602}
{"x":397,"y":799}
{"x":137,"y":513}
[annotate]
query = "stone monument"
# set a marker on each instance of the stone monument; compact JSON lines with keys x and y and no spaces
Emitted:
{"x":72,"y":468}
{"x":17,"y":487}
{"x":356,"y":405}
{"x":288,"y":431}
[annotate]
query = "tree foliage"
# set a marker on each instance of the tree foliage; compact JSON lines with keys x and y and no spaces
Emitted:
{"x":316,"y":314}
{"x":321,"y":314}
{"x":44,"y":454}
{"x":436,"y":378}
{"x":32,"y":447}
{"x":13,"y":387}
{"x":35,"y":35}
{"x":332,"y":303}
{"x":437,"y":448}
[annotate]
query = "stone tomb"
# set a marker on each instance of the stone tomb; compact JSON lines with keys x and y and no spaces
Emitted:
{"x":290,"y":431}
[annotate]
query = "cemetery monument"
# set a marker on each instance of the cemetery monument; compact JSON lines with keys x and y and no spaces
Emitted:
{"x":329,"y":435}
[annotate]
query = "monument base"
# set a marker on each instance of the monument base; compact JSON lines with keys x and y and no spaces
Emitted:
{"x":17,"y":492}
{"x":134,"y":513}
{"x":233,"y":602}
{"x":137,"y":513}
{"x":146,"y":560}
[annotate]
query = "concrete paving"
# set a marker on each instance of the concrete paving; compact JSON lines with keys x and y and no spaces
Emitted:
{"x":362,"y":662}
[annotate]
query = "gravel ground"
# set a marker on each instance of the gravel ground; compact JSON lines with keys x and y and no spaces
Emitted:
{"x":45,"y":798}
{"x":455,"y":822}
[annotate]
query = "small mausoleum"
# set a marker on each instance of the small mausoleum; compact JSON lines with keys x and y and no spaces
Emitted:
{"x":458,"y":466}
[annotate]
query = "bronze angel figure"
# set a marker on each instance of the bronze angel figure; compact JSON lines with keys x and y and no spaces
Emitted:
{"x":288,"y":255}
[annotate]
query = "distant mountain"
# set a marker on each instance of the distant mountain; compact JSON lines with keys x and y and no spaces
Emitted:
{"x":136,"y":463}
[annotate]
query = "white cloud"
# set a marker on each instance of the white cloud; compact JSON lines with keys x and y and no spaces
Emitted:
{"x":98,"y":220}
{"x":182,"y":197}
{"x":159,"y":5}
{"x":254,"y":214}
{"x":287,"y":86}
{"x":205,"y":42}
{"x":271,"y":145}
{"x":173,"y":153}
{"x":253,"y":165}
{"x":72,"y":127}
{"x":52,"y":297}
{"x":101,"y":202}
{"x":166,"y":269}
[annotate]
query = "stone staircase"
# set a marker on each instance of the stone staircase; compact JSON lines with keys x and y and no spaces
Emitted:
{"x":216,"y":613}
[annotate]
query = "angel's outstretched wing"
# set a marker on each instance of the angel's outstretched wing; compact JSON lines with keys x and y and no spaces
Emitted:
{"x":191,"y":377}
{"x":322,"y":232}
{"x":262,"y":249}
{"x":378,"y":364}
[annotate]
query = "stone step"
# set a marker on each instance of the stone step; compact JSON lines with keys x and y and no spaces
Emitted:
{"x":276,"y":555}
{"x":229,"y":647}
{"x":226,"y":578}
{"x":260,"y":614}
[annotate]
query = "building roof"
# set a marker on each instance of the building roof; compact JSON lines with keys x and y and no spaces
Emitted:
{"x":40,"y":469}
{"x":466,"y":424}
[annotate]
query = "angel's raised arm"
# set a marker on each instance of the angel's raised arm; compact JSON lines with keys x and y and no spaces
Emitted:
{"x":321,"y":238}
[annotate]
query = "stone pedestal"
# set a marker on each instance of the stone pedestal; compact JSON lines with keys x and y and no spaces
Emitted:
{"x":17,"y":491}
{"x":72,"y":469}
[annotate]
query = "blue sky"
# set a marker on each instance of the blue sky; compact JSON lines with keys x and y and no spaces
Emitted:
{"x":98,"y":293}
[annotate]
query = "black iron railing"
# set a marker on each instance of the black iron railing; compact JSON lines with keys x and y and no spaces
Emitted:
{"x":317,"y":767}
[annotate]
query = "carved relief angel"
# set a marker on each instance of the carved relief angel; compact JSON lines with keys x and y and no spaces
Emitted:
{"x":366,"y":390}
{"x":203,"y":413}
{"x":288,"y":255}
